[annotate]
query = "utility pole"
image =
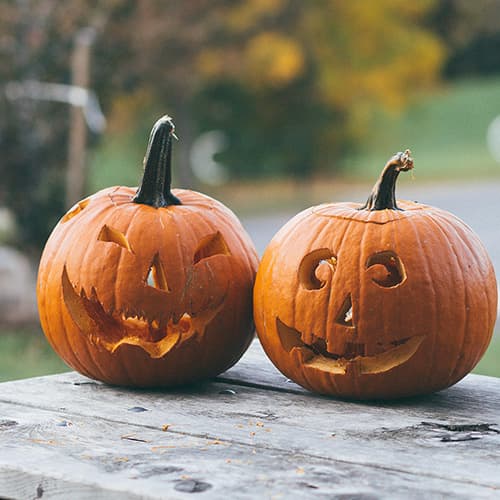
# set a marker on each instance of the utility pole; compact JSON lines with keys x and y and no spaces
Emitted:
{"x":80,"y":76}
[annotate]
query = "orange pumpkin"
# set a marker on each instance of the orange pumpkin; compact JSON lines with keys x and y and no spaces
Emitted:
{"x":382,"y":300}
{"x":148,"y":288}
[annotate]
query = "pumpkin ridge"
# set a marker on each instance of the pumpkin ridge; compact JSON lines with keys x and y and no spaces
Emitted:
{"x":487,"y":300}
{"x":361,"y":266}
{"x":89,"y":354}
{"x":458,"y":262}
{"x":228,"y":222}
{"x":430,"y":300}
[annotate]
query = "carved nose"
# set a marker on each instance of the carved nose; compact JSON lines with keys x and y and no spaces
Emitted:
{"x":344,"y":316}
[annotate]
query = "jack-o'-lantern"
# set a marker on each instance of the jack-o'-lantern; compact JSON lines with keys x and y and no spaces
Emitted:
{"x":382,"y":300}
{"x":148,"y":287}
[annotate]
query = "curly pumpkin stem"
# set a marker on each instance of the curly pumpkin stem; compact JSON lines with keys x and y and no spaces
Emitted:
{"x":155,"y":188}
{"x":383,"y":195}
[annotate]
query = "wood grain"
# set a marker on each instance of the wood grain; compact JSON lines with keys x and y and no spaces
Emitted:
{"x":249,"y":434}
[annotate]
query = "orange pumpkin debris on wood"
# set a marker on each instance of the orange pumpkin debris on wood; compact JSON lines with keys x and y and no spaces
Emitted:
{"x":148,"y":287}
{"x":383,"y":300}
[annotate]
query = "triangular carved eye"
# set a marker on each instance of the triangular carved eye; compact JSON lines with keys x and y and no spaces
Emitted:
{"x":213,"y":244}
{"x":386,"y":269}
{"x":112,"y":235}
{"x":157,"y":277}
{"x":75,"y":210}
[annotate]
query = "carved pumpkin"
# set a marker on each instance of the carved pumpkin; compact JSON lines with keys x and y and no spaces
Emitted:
{"x":375,"y":301}
{"x":148,"y":288}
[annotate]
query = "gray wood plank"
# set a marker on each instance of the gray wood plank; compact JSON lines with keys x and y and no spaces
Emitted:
{"x":451,"y":436}
{"x":44,"y":454}
{"x":256,"y":370}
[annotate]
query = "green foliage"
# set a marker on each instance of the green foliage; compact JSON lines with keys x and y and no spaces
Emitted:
{"x":445,"y":130}
{"x":297,"y":81}
{"x":296,"y":104}
{"x":274,"y":134}
{"x":37,"y":42}
{"x":470,"y":31}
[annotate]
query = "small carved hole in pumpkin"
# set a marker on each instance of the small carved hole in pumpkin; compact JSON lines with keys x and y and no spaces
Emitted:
{"x":386,"y":269}
{"x":213,"y":244}
{"x":345,"y":315}
{"x":112,"y":235}
{"x":316,"y":267}
{"x":157,"y":278}
{"x":75,"y":210}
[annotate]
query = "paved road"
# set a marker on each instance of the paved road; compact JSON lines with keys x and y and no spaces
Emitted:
{"x":476,"y":203}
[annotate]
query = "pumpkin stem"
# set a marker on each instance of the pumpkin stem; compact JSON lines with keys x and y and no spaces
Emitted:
{"x":155,"y":188}
{"x":383,"y":195}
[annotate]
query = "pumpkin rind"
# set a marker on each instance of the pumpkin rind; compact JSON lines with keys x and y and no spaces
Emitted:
{"x":192,"y":321}
{"x":407,"y":308}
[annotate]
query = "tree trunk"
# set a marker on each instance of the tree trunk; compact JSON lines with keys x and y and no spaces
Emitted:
{"x":80,"y":71}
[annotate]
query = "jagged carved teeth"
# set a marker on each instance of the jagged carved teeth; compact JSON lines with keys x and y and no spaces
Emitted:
{"x":317,"y":356}
{"x":183,"y":324}
{"x":119,"y":328}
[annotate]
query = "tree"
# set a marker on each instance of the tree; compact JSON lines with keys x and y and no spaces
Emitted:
{"x":471,"y":33}
{"x":311,"y":77}
{"x":36,"y":45}
{"x":291,"y":83}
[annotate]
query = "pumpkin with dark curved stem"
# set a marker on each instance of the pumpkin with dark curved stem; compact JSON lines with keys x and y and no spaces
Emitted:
{"x":148,"y":287}
{"x":383,"y":300}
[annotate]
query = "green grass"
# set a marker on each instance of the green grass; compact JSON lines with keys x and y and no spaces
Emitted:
{"x":446,"y":131}
{"x":490,"y":364}
{"x":118,"y":162}
{"x":26,"y":353}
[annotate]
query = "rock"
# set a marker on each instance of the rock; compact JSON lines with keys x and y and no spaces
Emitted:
{"x":17,"y":287}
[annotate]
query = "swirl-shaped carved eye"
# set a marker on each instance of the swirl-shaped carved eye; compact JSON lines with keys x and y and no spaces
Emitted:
{"x":386,"y":269}
{"x":316,"y":267}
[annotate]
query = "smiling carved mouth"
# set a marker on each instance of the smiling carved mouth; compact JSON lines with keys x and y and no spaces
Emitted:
{"x":118,"y":328}
{"x":317,"y":356}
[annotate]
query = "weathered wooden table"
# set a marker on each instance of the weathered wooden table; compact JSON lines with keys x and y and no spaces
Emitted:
{"x":248,"y":434}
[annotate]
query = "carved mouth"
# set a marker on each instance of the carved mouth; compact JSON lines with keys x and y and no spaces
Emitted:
{"x":317,"y":356}
{"x":111,"y":330}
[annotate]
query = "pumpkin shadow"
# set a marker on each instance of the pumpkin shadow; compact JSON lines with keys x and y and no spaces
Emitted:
{"x":456,"y":401}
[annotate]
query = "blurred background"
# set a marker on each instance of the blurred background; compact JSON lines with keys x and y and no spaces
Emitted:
{"x":278,"y":104}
